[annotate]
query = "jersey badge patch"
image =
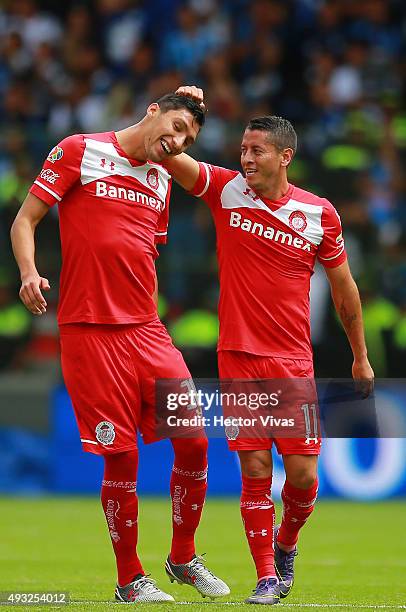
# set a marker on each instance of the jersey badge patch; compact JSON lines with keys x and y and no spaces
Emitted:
{"x":105,"y":433}
{"x":232,"y":432}
{"x":55,"y":155}
{"x":298,"y":221}
{"x":152,"y":178}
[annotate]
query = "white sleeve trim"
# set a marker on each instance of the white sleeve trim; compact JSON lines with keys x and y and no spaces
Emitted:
{"x":334,"y":256}
{"x":55,"y":195}
{"x":160,"y":233}
{"x":206,"y":167}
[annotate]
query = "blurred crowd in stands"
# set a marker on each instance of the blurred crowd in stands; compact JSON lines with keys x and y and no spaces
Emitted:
{"x":335,"y":68}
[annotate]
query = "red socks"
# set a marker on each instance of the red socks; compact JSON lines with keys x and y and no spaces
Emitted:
{"x":298,"y":504}
{"x":258,"y":515}
{"x":188,"y":491}
{"x":120,"y":504}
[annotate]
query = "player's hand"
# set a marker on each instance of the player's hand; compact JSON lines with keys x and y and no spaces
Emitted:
{"x":191,"y":91}
{"x":363,"y":375}
{"x":30,"y":293}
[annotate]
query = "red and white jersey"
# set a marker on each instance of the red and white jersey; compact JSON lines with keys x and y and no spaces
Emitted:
{"x":267,"y":251}
{"x":113,"y":210}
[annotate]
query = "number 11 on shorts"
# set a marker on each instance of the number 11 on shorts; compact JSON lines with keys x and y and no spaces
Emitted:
{"x":310,"y":418}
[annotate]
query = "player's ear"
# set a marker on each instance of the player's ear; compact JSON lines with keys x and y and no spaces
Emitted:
{"x":153,"y":109}
{"x":287,"y":155}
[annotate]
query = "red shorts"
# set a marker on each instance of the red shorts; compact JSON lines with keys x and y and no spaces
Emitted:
{"x":110,"y":373}
{"x":241,"y":365}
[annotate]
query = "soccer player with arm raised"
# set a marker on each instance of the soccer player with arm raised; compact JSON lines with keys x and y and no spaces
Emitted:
{"x":113,"y":195}
{"x":269,"y":235}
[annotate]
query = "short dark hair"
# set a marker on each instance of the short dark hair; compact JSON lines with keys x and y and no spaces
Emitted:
{"x":281,"y":131}
{"x":174,"y":101}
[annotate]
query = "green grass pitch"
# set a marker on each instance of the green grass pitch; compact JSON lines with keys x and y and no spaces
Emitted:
{"x":351,"y":556}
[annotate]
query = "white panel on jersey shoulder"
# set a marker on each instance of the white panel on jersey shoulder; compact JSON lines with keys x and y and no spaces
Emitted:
{"x":236,"y":194}
{"x":313,"y":229}
{"x":101,"y":160}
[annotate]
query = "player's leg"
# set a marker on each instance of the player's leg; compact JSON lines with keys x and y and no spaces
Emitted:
{"x":101,"y":382}
{"x":258,"y":516}
{"x":299,"y":495}
{"x":188,"y":488}
{"x":120,"y":505}
{"x":188,"y":483}
{"x":257,"y":508}
{"x":256,"y":505}
{"x":188,"y":492}
{"x":300,"y":460}
{"x":189,"y":473}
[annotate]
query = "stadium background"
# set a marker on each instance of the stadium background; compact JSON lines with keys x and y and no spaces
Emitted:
{"x":336,"y":69}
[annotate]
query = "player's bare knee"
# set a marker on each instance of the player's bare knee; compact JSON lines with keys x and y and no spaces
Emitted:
{"x":256,"y":464}
{"x":302,"y":478}
{"x":301,"y":470}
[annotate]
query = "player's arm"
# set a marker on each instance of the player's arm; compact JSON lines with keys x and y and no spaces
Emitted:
{"x":22,"y":238}
{"x":347,"y":302}
{"x":184,"y":169}
{"x":60,"y":171}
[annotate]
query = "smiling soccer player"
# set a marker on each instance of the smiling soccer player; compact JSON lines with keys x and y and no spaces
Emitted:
{"x":113,"y":196}
{"x":269,"y":235}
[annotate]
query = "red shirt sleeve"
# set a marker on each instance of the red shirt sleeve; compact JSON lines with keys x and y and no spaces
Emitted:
{"x":211,"y":182}
{"x":60,"y":171}
{"x":331,"y":252}
{"x":161,"y":233}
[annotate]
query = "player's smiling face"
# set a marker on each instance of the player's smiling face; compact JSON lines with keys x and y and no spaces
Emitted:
{"x":170,"y":133}
{"x":261,"y":161}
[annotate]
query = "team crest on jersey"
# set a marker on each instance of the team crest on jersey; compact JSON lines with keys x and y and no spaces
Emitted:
{"x":298,"y":221}
{"x":105,"y":432}
{"x":152,"y":178}
{"x":232,"y":432}
{"x":55,"y":154}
